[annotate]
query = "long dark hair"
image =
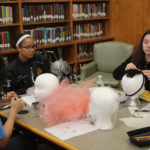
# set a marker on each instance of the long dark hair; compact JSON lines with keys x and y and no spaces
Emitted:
{"x":3,"y":81}
{"x":138,"y":57}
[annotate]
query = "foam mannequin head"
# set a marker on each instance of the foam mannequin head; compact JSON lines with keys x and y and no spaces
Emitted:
{"x":104,"y":103}
{"x":133,"y":84}
{"x":44,"y":85}
{"x":61,"y":69}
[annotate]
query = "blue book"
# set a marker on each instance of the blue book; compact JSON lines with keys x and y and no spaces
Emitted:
{"x":8,"y":40}
{"x":4,"y":14}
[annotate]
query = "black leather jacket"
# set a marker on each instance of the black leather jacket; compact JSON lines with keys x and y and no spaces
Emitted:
{"x":21,"y":75}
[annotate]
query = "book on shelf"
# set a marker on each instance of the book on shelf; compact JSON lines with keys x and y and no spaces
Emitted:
{"x":89,"y":10}
{"x":6,"y":14}
{"x":4,"y":41}
{"x":5,"y":0}
{"x":31,"y":0}
{"x":8,"y":40}
{"x":84,"y":51}
{"x":1,"y":20}
{"x":46,"y":12}
{"x":88,"y":30}
{"x":53,"y":35}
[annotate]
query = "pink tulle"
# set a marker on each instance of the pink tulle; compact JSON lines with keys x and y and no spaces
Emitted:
{"x":66,"y":103}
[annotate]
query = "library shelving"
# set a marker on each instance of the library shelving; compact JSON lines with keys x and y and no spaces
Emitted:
{"x":73,"y":25}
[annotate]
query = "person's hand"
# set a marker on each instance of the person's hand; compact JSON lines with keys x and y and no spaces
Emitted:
{"x":6,"y":99}
{"x":146,"y":73}
{"x":130,"y":66}
{"x":16,"y":104}
{"x":10,"y":95}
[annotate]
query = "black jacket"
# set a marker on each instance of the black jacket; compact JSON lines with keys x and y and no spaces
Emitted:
{"x":120,"y":70}
{"x":21,"y":75}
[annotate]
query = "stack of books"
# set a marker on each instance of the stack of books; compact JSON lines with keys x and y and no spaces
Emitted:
{"x":54,"y":35}
{"x":37,"y":13}
{"x":6,"y":14}
{"x":90,"y":10}
{"x":4,"y":41}
{"x":88,"y":30}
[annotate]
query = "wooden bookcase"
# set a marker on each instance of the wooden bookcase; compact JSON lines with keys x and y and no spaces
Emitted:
{"x":70,"y":49}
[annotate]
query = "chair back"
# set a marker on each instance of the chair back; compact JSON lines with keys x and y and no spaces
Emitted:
{"x":108,"y":55}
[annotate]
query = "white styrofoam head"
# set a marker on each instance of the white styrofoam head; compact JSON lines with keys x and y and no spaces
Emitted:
{"x":104,"y":103}
{"x":132,"y":85}
{"x":44,"y":85}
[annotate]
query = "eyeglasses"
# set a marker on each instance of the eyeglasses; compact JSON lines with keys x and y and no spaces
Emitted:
{"x":29,"y":47}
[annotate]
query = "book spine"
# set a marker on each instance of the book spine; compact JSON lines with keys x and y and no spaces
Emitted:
{"x":1,"y":21}
{"x":5,"y":19}
{"x":1,"y":47}
{"x":3,"y":40}
{"x":7,"y":14}
{"x":8,"y":40}
{"x":2,"y":14}
{"x":11,"y":14}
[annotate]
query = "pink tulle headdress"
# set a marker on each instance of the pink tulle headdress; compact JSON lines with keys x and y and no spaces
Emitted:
{"x":65,"y":103}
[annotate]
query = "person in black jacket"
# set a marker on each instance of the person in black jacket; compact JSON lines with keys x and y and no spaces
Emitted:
{"x":22,"y":72}
{"x":9,"y":140}
{"x":139,"y":60}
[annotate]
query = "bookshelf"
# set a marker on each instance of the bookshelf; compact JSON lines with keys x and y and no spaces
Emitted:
{"x":80,"y":22}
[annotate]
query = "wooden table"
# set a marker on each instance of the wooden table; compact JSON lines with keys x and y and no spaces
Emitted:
{"x":115,"y":139}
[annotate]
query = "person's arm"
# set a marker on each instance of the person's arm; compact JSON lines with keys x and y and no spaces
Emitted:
{"x":11,"y":77}
{"x":147,"y":79}
{"x":16,"y":105}
{"x":119,"y":71}
{"x":146,"y":73}
{"x":12,"y":87}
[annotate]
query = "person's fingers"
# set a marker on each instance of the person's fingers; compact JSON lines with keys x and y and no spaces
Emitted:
{"x":146,"y":73}
{"x":130,"y":66}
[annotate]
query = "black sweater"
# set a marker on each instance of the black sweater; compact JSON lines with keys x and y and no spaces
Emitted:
{"x":120,"y":70}
{"x":21,"y":75}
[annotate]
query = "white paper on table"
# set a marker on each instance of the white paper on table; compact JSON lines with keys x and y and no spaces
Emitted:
{"x":142,"y":114}
{"x":71,"y":129}
{"x":29,"y":99}
{"x":5,"y":107}
{"x":136,"y":122}
{"x":132,"y":110}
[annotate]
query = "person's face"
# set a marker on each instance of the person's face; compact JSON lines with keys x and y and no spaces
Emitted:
{"x":27,"y":49}
{"x":146,"y":44}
